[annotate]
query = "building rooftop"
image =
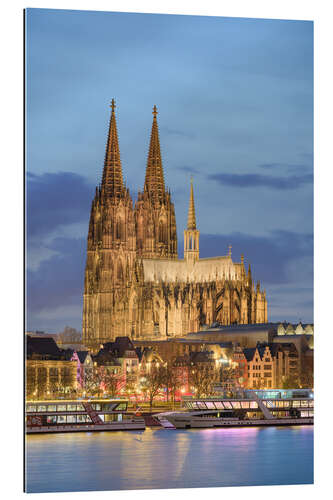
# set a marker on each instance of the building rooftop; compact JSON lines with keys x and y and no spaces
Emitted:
{"x":44,"y":347}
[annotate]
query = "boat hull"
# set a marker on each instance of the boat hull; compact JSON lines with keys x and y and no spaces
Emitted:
{"x":181,"y":422}
{"x":114,"y":426}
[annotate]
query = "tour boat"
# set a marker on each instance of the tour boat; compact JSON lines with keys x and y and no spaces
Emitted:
{"x":252,"y":408}
{"x":80,"y":415}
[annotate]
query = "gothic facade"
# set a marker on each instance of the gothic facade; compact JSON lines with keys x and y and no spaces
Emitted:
{"x":135,"y":284}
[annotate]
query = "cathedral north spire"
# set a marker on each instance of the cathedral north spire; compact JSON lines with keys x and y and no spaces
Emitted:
{"x":154,"y":181}
{"x":112,"y":181}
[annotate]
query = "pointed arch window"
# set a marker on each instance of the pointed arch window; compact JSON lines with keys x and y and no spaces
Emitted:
{"x":140,"y":234}
{"x":120,"y":229}
{"x":162,"y":232}
{"x":120,"y":274}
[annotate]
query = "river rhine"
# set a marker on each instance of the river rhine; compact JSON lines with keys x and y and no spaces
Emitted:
{"x":163,"y":458}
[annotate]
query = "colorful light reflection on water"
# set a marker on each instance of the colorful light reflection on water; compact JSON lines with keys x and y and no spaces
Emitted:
{"x":160,"y":458}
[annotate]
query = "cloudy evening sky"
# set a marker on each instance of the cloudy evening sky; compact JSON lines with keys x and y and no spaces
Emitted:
{"x":235,"y":102}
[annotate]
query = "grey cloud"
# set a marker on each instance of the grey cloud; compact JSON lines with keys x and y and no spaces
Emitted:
{"x":56,"y":199}
{"x":189,"y":170}
{"x":258,"y":180}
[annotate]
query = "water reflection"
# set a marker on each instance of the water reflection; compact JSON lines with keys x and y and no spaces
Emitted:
{"x":161,"y":458}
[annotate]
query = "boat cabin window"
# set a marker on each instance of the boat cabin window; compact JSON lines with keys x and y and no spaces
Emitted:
{"x":61,"y":407}
{"x":219,"y":405}
{"x":51,"y":419}
{"x":121,"y":406}
{"x":82,"y":419}
{"x":41,"y":408}
{"x":71,"y":407}
{"x":210,"y":405}
{"x":31,"y":408}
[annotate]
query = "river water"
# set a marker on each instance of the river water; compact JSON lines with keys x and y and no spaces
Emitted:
{"x":167,"y":458}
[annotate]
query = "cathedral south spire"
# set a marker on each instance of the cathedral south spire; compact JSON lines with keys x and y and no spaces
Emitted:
{"x":112,"y":181}
{"x":191,"y":234}
{"x":154,"y":181}
{"x":154,"y":210}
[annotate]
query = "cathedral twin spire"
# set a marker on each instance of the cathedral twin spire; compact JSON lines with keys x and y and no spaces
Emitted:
{"x":112,"y":181}
{"x":155,"y":222}
{"x":154,"y":181}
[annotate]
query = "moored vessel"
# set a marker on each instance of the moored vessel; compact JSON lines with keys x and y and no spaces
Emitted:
{"x":80,"y":415}
{"x":252,"y":408}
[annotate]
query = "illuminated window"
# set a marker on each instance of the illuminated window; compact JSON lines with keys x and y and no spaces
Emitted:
{"x":51,"y":419}
{"x":41,"y":408}
{"x":210,"y":405}
{"x":296,"y":404}
{"x":61,"y":419}
{"x":61,"y":407}
{"x":227,"y":404}
{"x":71,"y":407}
{"x":71,"y":419}
{"x":31,"y":408}
{"x":218,"y":404}
{"x":51,"y":408}
{"x":245,"y":404}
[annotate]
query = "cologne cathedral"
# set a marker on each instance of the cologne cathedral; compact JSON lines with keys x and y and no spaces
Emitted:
{"x":135,"y":285}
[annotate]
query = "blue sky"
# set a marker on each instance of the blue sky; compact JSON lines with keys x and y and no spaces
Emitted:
{"x":235,"y":101}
